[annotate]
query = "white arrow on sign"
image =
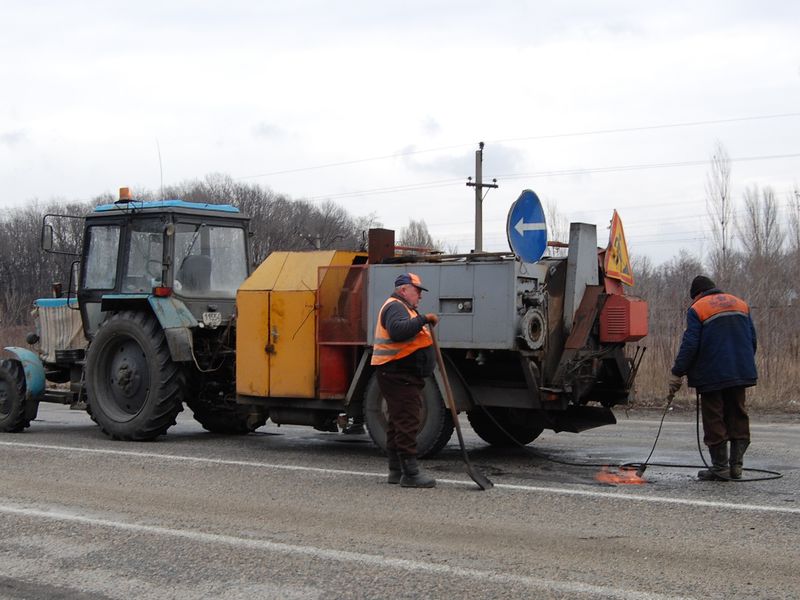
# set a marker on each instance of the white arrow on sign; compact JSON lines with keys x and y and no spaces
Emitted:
{"x":522,"y":227}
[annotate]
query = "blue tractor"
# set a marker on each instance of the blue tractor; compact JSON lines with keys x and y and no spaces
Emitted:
{"x":148,"y":327}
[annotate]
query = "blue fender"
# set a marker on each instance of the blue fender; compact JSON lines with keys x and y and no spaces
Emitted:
{"x":171,"y":312}
{"x":34,"y":371}
{"x":177,"y":322}
{"x":175,"y":318}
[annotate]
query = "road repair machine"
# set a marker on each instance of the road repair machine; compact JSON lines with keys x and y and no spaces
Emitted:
{"x":167,"y":312}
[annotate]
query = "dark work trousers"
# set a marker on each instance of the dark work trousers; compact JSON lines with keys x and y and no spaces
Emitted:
{"x":724,"y":416}
{"x":403,"y":393}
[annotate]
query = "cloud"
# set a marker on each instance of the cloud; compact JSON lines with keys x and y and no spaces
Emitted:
{"x":268,"y":131}
{"x":430,"y":126}
{"x":496,"y":159}
{"x":12,"y":138}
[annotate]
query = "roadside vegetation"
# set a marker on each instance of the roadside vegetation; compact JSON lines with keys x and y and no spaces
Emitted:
{"x":754,"y":255}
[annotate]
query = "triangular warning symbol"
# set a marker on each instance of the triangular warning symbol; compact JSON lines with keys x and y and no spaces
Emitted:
{"x":617,"y":264}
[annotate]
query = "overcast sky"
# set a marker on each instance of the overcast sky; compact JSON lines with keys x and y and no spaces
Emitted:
{"x":379,"y":106}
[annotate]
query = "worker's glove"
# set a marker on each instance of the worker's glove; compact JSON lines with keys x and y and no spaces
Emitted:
{"x":432,"y":319}
{"x":674,"y":382}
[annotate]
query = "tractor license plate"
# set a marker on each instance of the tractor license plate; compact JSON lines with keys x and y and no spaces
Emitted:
{"x":212,"y":319}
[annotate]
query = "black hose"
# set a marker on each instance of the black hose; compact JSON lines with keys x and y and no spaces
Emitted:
{"x":640,"y":467}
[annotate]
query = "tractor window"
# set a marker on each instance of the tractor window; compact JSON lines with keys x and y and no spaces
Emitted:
{"x":143,"y":268}
{"x":101,"y":260}
{"x":210,"y":260}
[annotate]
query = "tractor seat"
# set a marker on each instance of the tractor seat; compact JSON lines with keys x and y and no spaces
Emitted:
{"x":195,"y":273}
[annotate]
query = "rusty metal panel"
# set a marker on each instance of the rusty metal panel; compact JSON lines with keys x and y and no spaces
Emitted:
{"x":584,"y":317}
{"x":341,"y":302}
{"x":381,"y":245}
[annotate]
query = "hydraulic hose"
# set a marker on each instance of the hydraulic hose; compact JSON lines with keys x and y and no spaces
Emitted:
{"x":640,"y":467}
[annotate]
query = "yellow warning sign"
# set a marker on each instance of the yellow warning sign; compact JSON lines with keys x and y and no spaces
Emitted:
{"x":617,"y":264}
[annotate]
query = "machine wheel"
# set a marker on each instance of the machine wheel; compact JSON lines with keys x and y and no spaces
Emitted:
{"x":437,"y":424}
{"x":505,"y":427}
{"x":229,"y":420}
{"x":13,"y":414}
{"x":134,"y":390}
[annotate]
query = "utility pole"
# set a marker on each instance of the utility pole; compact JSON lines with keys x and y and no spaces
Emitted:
{"x":479,"y":185}
{"x":314,"y":240}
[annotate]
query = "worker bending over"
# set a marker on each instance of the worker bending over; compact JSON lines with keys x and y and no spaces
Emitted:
{"x":718,"y":355}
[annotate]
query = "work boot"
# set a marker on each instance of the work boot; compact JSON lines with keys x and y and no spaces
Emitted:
{"x":738,"y":448}
{"x":719,"y":470}
{"x":412,"y":476}
{"x":395,"y":471}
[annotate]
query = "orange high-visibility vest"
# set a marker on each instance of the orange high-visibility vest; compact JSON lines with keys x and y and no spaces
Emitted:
{"x":385,"y":349}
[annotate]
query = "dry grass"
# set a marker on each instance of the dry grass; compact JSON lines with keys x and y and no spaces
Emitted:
{"x":14,"y":336}
{"x":778,"y":388}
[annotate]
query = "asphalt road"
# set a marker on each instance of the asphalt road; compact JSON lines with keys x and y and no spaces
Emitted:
{"x":293,"y":513}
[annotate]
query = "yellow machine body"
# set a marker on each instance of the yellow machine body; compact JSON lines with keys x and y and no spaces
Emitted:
{"x":277,"y":319}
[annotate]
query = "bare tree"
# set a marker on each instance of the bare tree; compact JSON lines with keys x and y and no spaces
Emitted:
{"x":770,"y":287}
{"x":557,"y":228}
{"x":416,"y":235}
{"x":719,"y":208}
{"x":793,"y":234}
{"x":759,"y":231}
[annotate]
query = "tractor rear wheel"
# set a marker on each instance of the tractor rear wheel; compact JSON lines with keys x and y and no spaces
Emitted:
{"x":505,"y":427}
{"x":229,"y":420}
{"x":15,"y":416}
{"x":134,"y":389}
{"x":436,"y":423}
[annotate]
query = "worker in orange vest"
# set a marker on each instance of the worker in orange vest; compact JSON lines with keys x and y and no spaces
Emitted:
{"x":403,"y":357}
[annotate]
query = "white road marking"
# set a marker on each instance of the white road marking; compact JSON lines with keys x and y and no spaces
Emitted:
{"x":368,"y":560}
{"x":504,"y":486}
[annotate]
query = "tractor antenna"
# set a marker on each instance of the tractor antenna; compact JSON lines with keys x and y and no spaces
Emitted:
{"x":160,"y":168}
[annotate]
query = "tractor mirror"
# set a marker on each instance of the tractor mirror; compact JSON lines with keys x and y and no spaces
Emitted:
{"x":47,"y":237}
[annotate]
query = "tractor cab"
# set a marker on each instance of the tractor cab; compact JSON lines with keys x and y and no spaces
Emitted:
{"x":136,"y":251}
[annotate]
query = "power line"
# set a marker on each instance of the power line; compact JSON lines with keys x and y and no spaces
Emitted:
{"x":523,"y":139}
{"x":613,"y":169}
{"x":651,"y":127}
{"x":633,"y":229}
{"x":389,"y":189}
{"x":556,"y":173}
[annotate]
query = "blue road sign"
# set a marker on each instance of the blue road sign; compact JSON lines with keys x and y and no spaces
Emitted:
{"x":526,"y":227}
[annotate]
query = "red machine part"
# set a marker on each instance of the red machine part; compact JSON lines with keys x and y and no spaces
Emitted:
{"x":623,"y":319}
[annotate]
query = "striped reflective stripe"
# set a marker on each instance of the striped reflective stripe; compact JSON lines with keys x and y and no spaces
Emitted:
{"x":387,"y":352}
{"x":731,"y":313}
